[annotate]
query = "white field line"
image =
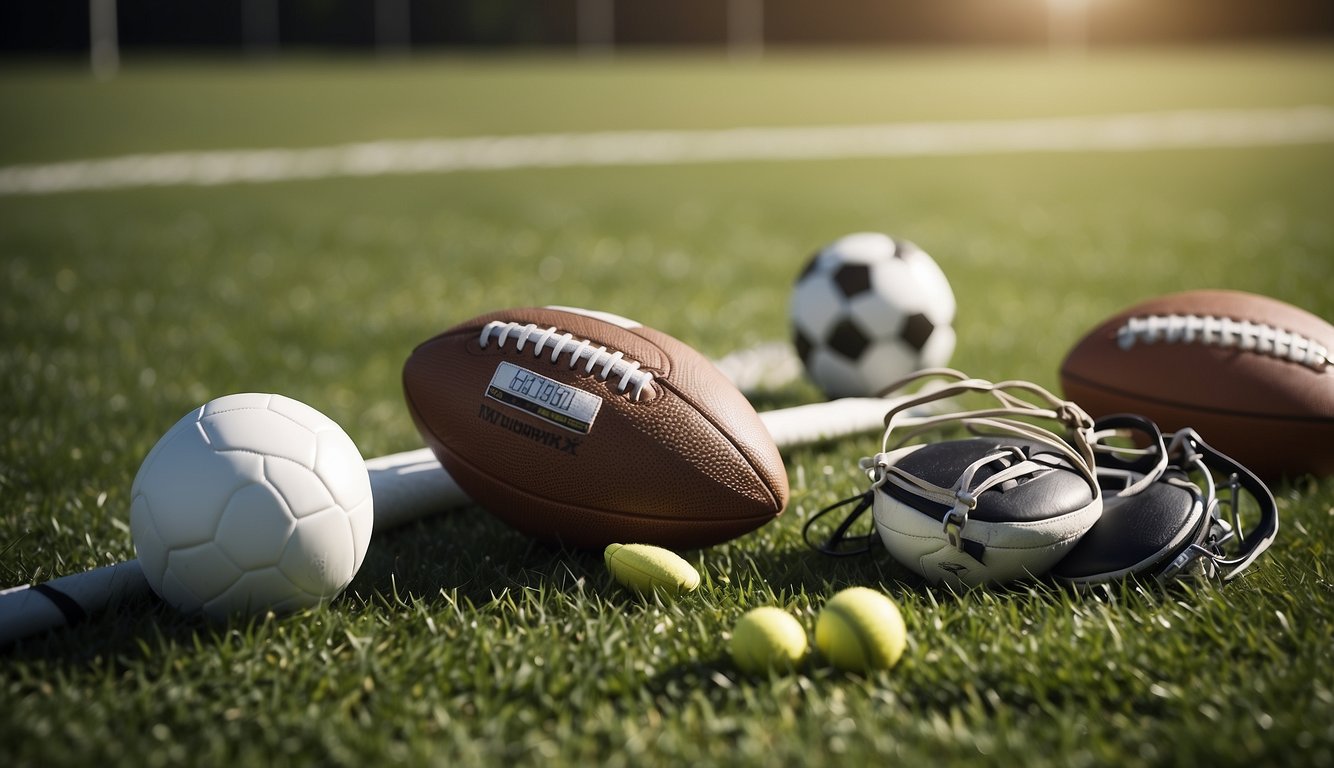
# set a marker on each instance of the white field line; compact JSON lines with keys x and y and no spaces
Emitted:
{"x":1102,"y":133}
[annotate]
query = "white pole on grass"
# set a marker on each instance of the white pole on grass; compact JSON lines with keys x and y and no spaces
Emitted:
{"x":259,"y":26}
{"x":1068,"y":27}
{"x":595,"y":27}
{"x":104,"y":40}
{"x":393,"y":27}
{"x":745,"y":28}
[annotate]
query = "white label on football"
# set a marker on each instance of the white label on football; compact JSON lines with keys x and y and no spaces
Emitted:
{"x":547,"y":399}
{"x":605,"y":317}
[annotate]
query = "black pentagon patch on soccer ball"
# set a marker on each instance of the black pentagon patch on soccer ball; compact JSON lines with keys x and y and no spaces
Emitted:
{"x":853,"y":279}
{"x":848,"y":340}
{"x":803,"y":345}
{"x":917,"y":330}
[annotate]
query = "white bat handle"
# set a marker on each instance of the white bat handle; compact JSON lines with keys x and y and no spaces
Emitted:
{"x":817,"y":422}
{"x":411,"y":485}
{"x":28,"y":610}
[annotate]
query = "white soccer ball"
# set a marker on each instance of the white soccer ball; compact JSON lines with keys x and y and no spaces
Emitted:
{"x":252,"y":502}
{"x":868,"y":310}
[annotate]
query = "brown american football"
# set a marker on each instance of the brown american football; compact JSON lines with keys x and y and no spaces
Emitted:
{"x":1251,"y":374}
{"x":585,"y":429}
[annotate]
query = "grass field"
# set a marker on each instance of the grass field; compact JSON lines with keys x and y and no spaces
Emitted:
{"x":460,"y":642}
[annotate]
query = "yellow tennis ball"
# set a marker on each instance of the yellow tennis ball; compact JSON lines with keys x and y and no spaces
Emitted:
{"x":646,"y":568}
{"x":768,"y":638}
{"x":861,"y":630}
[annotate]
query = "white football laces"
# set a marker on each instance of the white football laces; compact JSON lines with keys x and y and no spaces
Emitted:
{"x":1225,"y":332}
{"x":632,"y":377}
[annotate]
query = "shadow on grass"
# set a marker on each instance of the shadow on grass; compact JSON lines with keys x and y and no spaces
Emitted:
{"x":469,"y":556}
{"x":475,"y":556}
{"x":418,"y":560}
{"x":472,"y":555}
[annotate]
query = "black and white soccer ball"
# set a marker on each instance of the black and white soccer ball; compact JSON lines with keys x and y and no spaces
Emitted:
{"x":868,"y":310}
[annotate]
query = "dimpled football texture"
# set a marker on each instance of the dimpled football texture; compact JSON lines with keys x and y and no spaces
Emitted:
{"x":1251,"y":374}
{"x":632,"y":437}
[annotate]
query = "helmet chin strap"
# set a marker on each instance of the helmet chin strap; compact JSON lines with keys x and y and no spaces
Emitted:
{"x":1216,"y":478}
{"x":1194,"y":452}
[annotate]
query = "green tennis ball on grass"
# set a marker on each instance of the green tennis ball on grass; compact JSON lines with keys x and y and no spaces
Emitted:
{"x":768,"y":638}
{"x":646,"y":569}
{"x":861,"y":630}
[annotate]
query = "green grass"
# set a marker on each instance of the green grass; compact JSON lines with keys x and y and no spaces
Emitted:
{"x":461,"y":642}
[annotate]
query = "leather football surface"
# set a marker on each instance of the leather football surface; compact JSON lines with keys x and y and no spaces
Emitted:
{"x":584,"y":429}
{"x":1251,"y":374}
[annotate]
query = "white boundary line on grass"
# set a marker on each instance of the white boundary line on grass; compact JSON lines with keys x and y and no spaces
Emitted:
{"x":1099,"y":133}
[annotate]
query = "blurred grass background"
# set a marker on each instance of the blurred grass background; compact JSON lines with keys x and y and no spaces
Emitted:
{"x":162,"y":104}
{"x":460,"y":641}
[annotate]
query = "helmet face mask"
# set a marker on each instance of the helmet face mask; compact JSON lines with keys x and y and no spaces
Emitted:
{"x":1179,"y":515}
{"x":1017,"y":501}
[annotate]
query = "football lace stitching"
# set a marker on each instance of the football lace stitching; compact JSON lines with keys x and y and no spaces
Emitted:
{"x":632,"y":378}
{"x":1214,"y":331}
